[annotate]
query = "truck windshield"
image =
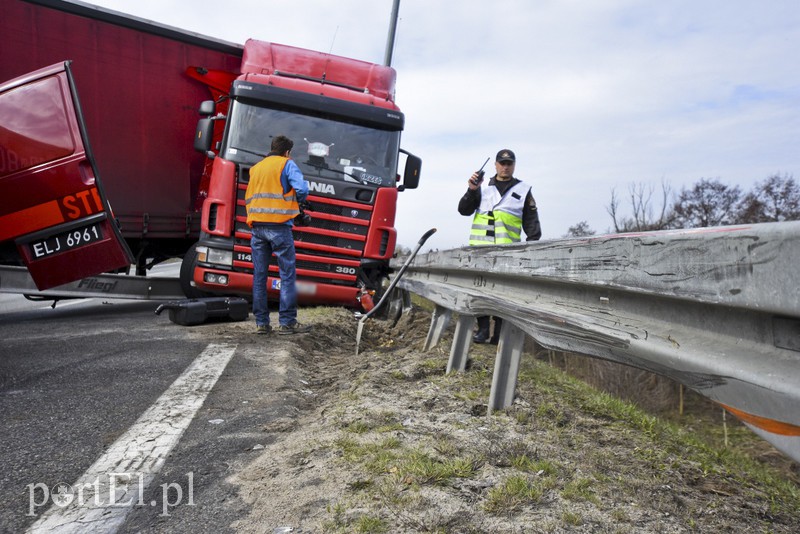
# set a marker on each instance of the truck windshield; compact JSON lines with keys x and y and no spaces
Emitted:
{"x":322,"y":147}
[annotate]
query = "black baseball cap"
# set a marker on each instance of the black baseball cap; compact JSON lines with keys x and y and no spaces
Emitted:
{"x":506,"y":155}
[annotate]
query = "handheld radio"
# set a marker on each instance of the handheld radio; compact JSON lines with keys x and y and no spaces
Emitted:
{"x":481,"y":172}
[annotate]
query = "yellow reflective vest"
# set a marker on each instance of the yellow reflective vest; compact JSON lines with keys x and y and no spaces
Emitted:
{"x":264,"y":198}
{"x":498,"y":219}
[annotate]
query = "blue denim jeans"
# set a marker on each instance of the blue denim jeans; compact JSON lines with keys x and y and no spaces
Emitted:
{"x":268,"y":239}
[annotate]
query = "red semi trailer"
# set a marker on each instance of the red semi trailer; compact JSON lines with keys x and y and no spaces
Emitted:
{"x":146,"y":191}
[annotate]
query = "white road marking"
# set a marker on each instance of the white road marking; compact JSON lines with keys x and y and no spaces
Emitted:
{"x":104,"y":495}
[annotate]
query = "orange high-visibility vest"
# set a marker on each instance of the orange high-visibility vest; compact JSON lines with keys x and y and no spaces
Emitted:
{"x":264,"y":196}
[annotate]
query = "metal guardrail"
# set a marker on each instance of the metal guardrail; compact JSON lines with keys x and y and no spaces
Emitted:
{"x":716,"y":309}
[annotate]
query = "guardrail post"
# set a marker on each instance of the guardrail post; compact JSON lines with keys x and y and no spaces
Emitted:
{"x":462,"y":338}
{"x":439,"y":321}
{"x":506,"y":366}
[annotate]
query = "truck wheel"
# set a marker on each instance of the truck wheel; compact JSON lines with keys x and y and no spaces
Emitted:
{"x":385,"y":312}
{"x":187,"y":275}
{"x":398,"y":302}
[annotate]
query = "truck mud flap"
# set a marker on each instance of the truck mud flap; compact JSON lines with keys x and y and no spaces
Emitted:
{"x":190,"y":312}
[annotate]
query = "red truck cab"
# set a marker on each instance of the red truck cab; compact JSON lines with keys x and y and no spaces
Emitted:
{"x":346,"y":127}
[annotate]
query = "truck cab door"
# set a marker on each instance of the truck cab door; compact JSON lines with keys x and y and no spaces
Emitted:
{"x":52,"y":203}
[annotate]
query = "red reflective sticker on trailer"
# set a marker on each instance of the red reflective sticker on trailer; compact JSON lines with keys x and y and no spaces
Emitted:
{"x":51,"y":213}
{"x":30,"y":220}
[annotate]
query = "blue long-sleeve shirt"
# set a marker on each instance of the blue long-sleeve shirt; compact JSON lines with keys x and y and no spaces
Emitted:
{"x":292,"y":177}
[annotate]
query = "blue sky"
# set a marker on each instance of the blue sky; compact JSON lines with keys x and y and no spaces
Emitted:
{"x":592,"y":96}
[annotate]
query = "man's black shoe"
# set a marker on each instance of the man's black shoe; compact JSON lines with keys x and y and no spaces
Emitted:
{"x":480,"y":337}
{"x":294,"y":328}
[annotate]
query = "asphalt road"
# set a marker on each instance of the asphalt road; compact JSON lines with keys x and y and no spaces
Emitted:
{"x":75,"y":379}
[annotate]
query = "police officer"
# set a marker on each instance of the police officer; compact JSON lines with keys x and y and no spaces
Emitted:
{"x":502,"y":209}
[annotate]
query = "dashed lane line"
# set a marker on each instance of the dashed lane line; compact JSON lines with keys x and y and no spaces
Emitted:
{"x":100,"y":500}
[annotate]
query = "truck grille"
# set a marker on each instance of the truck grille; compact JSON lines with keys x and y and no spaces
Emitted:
{"x":329,"y":249}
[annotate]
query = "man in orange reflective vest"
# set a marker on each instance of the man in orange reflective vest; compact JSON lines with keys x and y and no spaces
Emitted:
{"x":272,"y":198}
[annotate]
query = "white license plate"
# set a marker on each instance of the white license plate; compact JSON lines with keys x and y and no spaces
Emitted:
{"x":303,"y":288}
{"x":66,"y":241}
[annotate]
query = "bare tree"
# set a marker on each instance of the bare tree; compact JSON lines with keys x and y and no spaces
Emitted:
{"x":775,"y":199}
{"x":401,"y":251}
{"x":708,"y":203}
{"x":581,"y":229}
{"x":642,"y":208}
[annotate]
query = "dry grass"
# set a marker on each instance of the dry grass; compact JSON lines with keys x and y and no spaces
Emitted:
{"x":402,"y":447}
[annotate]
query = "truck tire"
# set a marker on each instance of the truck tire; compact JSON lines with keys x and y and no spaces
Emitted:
{"x":187,"y":275}
{"x":386,"y":311}
{"x":398,"y":303}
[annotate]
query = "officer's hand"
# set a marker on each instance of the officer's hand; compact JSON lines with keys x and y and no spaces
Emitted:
{"x":473,"y":182}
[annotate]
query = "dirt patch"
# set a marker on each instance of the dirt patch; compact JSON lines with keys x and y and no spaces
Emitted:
{"x":392,"y":444}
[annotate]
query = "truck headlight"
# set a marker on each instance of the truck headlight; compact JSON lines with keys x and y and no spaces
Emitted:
{"x":215,"y":255}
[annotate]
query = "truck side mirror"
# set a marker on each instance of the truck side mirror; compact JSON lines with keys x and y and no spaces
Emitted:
{"x":412,"y":170}
{"x":207,"y":108}
{"x":204,"y":135}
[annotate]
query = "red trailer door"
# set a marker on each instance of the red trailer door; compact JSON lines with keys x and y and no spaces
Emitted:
{"x":51,"y":200}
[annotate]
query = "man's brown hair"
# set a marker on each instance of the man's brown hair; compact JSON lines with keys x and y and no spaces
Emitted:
{"x":280,"y":144}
